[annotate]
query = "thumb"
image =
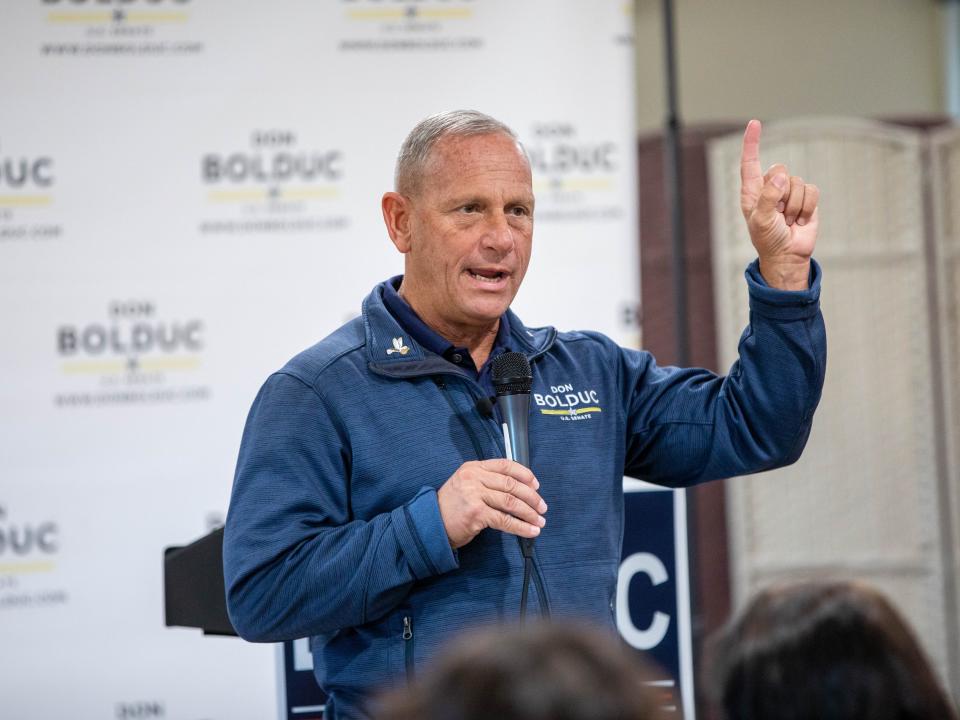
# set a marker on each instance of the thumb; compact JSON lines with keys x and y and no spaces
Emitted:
{"x":773,"y":191}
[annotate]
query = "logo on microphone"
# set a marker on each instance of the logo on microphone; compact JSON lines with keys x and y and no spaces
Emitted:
{"x":567,"y":403}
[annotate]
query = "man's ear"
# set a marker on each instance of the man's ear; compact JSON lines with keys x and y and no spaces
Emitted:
{"x":396,"y":215}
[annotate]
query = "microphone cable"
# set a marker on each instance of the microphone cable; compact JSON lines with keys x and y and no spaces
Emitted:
{"x":513,"y":380}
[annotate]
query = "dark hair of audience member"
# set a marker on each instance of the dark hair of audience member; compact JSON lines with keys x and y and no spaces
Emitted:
{"x":539,"y":672}
{"x":823,"y":651}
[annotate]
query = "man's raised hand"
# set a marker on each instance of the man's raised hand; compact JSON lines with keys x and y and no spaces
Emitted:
{"x":781,"y":215}
{"x":499,"y":494}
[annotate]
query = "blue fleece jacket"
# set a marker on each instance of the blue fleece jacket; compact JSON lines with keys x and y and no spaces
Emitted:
{"x":334,"y":530}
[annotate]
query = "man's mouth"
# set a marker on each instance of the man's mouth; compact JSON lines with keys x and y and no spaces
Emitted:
{"x":490,"y":276}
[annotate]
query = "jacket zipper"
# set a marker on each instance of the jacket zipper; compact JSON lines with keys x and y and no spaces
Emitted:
{"x":408,"y":646}
{"x":537,"y":576}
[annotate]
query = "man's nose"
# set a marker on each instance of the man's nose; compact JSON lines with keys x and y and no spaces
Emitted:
{"x":499,"y":234}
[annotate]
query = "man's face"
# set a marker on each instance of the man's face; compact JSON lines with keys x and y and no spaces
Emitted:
{"x":470,"y":232}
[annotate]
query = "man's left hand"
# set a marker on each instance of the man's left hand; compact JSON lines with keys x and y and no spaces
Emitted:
{"x":781,"y":214}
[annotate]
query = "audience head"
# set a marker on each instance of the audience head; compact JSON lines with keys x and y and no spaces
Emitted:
{"x":538,"y":672}
{"x":823,"y":651}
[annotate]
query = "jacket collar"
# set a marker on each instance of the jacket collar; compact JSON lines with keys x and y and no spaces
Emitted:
{"x":393,"y":353}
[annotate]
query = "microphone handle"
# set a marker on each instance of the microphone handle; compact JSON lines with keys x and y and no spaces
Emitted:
{"x":515,"y":410}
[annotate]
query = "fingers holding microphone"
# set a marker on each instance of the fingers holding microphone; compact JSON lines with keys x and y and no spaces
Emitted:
{"x":500,"y":494}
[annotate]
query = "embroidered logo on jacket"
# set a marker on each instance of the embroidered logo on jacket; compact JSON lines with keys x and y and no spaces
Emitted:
{"x":567,"y":403}
{"x":398,"y":347}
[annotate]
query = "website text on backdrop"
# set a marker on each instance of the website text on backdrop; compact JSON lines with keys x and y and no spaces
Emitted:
{"x":823,"y":649}
{"x":372,"y":507}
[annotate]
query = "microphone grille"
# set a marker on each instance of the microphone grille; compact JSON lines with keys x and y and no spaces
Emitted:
{"x":511,"y":374}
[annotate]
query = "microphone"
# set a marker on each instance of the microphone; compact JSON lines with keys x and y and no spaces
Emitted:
{"x":512,"y":380}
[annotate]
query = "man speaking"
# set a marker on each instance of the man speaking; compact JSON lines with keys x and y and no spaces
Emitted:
{"x":373,"y":508}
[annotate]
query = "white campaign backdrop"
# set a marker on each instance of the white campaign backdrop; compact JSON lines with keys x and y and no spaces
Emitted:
{"x":143,"y":300}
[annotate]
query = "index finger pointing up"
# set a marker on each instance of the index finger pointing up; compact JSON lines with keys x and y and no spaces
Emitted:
{"x":751,"y":174}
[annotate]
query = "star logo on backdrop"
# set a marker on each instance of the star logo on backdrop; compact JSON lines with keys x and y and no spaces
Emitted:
{"x":133,"y":364}
{"x":119,"y":16}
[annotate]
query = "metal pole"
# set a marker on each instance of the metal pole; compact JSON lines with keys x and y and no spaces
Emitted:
{"x":673,"y":185}
{"x":951,"y":56}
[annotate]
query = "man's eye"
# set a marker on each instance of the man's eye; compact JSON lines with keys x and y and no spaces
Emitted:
{"x":473,"y":207}
{"x":519,"y":211}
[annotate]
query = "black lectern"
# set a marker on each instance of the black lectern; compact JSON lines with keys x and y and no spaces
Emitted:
{"x":193,"y":586}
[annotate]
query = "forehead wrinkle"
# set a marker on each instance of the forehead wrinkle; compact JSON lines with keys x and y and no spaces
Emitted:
{"x":463,"y":158}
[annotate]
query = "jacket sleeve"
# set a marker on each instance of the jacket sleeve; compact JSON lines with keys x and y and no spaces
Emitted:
{"x":295,"y":562}
{"x":686,"y":426}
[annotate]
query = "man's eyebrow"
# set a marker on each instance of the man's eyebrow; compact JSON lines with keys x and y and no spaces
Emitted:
{"x":459,"y":200}
{"x":527,"y":202}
